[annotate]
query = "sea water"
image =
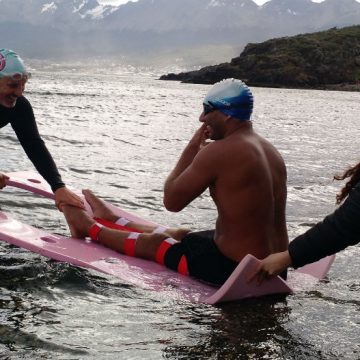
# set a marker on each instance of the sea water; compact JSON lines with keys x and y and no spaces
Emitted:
{"x":120,"y":133}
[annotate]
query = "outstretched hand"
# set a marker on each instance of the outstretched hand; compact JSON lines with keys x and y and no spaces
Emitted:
{"x":271,"y":266}
{"x":64,"y":196}
{"x":3,"y":179}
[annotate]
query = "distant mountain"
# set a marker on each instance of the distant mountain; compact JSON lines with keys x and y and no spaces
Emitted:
{"x":327,"y":59}
{"x":86,"y":29}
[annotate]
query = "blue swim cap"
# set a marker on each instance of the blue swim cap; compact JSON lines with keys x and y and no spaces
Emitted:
{"x":232,"y":97}
{"x":11,"y":64}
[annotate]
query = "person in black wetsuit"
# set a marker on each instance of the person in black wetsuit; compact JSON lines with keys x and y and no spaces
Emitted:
{"x":336,"y":232}
{"x":16,"y":110}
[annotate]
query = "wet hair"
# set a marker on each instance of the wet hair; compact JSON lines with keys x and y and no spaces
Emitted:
{"x":354,"y":174}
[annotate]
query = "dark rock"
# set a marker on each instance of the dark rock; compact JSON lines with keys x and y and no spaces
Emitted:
{"x":316,"y":60}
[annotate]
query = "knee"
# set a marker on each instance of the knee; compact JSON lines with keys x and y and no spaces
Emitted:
{"x":155,"y":239}
{"x":149,"y":244}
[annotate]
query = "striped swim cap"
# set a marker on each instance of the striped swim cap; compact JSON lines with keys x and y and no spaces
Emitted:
{"x":11,"y":64}
{"x":232,"y":97}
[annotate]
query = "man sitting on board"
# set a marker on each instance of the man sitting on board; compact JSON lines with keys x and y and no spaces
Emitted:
{"x":246,"y":177}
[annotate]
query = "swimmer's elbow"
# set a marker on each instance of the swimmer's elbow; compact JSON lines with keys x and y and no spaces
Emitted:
{"x":172,"y":205}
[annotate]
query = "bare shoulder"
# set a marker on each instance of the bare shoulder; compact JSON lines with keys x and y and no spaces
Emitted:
{"x":243,"y":149}
{"x":256,"y":150}
{"x":212,"y":150}
{"x":274,"y":159}
{"x":272,"y":152}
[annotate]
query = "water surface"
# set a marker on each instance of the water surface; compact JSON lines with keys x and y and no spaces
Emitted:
{"x":120,"y":134}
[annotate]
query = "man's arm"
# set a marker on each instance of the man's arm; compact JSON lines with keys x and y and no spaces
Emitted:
{"x":26,"y":130}
{"x":336,"y":232}
{"x":24,"y":125}
{"x":192,"y":174}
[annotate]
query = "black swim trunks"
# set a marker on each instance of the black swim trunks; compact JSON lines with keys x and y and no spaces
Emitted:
{"x":204,"y":259}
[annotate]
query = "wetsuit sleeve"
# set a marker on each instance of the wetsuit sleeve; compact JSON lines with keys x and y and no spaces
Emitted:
{"x":334,"y":233}
{"x":26,"y":130}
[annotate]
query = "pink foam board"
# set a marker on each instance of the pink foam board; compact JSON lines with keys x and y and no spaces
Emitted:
{"x":138,"y":272}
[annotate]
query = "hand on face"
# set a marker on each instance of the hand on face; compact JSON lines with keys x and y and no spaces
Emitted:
{"x":3,"y":179}
{"x":272,"y":265}
{"x":200,"y":136}
{"x":64,"y":196}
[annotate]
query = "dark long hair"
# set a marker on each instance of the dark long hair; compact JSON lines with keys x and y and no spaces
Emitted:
{"x":354,"y":174}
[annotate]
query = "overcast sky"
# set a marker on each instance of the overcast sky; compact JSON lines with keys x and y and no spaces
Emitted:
{"x":118,"y":2}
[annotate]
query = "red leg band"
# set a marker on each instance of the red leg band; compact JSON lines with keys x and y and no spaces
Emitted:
{"x":129,"y":247}
{"x":183,"y":267}
{"x":162,"y":249}
{"x":112,"y":225}
{"x":94,"y":231}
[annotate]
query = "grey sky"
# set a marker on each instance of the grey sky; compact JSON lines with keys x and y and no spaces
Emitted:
{"x":118,"y":2}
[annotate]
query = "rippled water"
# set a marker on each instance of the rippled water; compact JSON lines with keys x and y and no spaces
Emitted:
{"x":120,"y":134}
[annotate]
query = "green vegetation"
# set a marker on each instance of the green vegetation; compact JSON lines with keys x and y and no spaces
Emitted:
{"x":316,"y":60}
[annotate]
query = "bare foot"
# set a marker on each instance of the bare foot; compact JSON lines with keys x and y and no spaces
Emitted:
{"x":99,"y":207}
{"x":101,"y":210}
{"x":78,"y":221}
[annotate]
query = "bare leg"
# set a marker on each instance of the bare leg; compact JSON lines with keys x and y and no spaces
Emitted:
{"x":99,"y":206}
{"x":80,"y":223}
{"x":101,"y":210}
{"x":78,"y":220}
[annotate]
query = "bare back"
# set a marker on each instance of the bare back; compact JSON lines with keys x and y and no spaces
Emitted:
{"x":250,"y":195}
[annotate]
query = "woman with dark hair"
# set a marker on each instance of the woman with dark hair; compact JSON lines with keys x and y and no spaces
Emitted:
{"x":336,"y":232}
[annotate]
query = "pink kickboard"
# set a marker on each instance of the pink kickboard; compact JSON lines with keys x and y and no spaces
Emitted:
{"x":318,"y":269}
{"x":138,"y":272}
{"x":142,"y":273}
{"x":35,"y":183}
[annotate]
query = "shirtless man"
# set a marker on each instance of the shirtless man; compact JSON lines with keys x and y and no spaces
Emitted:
{"x":246,"y":177}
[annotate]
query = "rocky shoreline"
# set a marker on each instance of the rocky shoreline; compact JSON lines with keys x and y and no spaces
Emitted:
{"x":323,"y":60}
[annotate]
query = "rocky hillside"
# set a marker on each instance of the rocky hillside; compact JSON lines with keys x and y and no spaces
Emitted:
{"x":314,"y":60}
{"x":171,"y":30}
